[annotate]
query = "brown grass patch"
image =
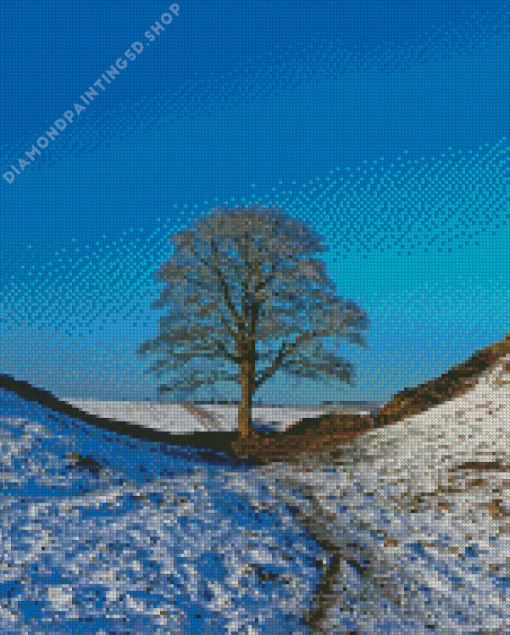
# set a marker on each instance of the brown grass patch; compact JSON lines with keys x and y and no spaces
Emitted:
{"x":314,"y":434}
{"x":322,"y":434}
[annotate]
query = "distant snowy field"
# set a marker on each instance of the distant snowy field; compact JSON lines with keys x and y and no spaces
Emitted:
{"x":164,"y":542}
{"x":175,"y":418}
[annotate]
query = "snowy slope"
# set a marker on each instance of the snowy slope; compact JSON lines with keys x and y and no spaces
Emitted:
{"x":140,"y":537}
{"x":149,"y":537}
{"x":408,"y":502}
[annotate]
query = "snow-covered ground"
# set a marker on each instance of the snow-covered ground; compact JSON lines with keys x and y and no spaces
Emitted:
{"x":160,"y":416}
{"x":175,"y":418}
{"x":436,"y":539}
{"x":162,"y":541}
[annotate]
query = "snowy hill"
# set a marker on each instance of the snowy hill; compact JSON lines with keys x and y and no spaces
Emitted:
{"x":407,"y":528}
{"x":102,"y":533}
{"x":422,"y":509}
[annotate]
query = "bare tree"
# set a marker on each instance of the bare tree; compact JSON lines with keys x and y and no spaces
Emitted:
{"x":241,"y":282}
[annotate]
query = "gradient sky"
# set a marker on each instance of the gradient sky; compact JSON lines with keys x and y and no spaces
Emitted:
{"x":383,"y":124}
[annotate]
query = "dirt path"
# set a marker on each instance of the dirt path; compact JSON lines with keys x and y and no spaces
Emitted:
{"x":206,"y":418}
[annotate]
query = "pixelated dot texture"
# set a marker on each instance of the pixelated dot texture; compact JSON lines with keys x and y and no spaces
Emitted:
{"x":409,"y":191}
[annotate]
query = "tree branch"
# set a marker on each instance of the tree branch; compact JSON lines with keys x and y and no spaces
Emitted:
{"x":224,"y":286}
{"x":287,"y":349}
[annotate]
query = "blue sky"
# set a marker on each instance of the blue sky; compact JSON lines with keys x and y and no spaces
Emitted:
{"x":382,"y":124}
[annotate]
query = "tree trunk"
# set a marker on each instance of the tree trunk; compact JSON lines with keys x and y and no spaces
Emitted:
{"x":244,"y":413}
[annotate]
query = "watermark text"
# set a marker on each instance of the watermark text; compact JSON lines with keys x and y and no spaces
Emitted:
{"x":89,"y":95}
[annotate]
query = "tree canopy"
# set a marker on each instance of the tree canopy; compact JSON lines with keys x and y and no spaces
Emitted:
{"x":244,"y":289}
